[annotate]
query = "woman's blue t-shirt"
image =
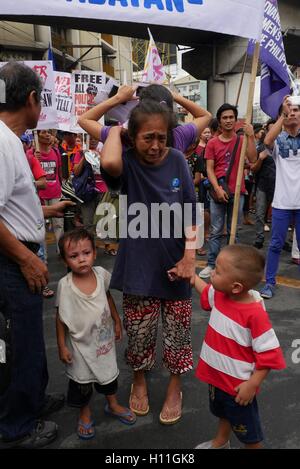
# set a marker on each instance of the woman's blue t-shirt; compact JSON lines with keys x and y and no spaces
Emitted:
{"x":141,"y":265}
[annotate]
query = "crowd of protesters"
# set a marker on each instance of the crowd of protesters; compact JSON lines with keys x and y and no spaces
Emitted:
{"x":152,"y":159}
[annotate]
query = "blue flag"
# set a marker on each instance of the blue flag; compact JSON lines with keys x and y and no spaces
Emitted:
{"x":275,"y":81}
{"x":51,"y":56}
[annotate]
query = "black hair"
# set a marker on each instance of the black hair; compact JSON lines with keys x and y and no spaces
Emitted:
{"x":257,"y":128}
{"x":19,"y":81}
{"x":269,"y":122}
{"x":157,"y":93}
{"x":144,"y":109}
{"x":226,"y":107}
{"x":248,"y":262}
{"x":74,"y":236}
{"x":214,"y":125}
{"x":161,"y":95}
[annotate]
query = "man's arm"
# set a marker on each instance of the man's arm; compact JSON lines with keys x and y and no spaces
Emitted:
{"x":33,"y":269}
{"x":210,"y":168}
{"x":277,"y":127}
{"x":255,"y":167}
{"x":274,"y":132}
{"x":56,"y":210}
{"x":251,"y":146}
{"x":201,"y":117}
{"x":89,"y":120}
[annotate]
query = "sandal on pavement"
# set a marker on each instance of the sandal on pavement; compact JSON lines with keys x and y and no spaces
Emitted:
{"x":134,"y":399}
{"x":47,"y":293}
{"x":86,"y":426}
{"x":171,"y":421}
{"x":121,"y":415}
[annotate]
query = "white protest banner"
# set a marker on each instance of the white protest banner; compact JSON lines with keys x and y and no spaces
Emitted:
{"x":235,"y":17}
{"x":64,"y":101}
{"x":44,"y":69}
{"x":87,"y":91}
{"x":153,"y":68}
{"x":48,"y":116}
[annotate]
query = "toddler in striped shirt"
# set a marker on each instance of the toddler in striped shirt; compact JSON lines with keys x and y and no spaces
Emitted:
{"x":240,"y":345}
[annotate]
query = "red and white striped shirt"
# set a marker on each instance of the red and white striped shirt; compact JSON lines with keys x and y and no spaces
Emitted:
{"x":239,"y":340}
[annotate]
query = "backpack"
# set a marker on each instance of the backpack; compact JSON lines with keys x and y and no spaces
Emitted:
{"x":84,"y":185}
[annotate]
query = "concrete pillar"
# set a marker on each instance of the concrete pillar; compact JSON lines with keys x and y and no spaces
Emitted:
{"x":224,"y":89}
{"x":73,"y":36}
{"x":43,"y":34}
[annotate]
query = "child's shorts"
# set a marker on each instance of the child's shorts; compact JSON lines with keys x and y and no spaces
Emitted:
{"x":79,"y":394}
{"x":244,"y":420}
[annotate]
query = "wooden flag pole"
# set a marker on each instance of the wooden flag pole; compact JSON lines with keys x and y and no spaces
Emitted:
{"x":36,"y":140}
{"x":244,"y":146}
{"x":242,"y":79}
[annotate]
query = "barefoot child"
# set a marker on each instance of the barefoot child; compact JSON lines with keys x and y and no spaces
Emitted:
{"x":87,"y":325}
{"x":240,"y":346}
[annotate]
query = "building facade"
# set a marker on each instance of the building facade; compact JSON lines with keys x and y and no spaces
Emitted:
{"x":72,"y":49}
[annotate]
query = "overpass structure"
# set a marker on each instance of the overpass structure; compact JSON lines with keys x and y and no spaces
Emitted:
{"x":220,"y":60}
{"x":217,"y":58}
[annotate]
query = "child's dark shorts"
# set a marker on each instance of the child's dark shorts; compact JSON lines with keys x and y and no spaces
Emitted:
{"x":79,"y":394}
{"x":244,"y":420}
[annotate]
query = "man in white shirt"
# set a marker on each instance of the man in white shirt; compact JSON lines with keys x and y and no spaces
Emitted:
{"x":22,"y":273}
{"x":285,"y":147}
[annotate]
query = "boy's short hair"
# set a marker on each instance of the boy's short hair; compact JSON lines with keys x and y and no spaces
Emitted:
{"x":74,"y":236}
{"x":248,"y":262}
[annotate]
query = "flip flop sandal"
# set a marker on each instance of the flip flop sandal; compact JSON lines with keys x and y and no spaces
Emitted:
{"x":86,"y":426}
{"x":138,"y":411}
{"x":121,"y":415}
{"x":171,"y":421}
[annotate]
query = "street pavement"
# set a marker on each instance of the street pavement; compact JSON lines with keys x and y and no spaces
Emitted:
{"x":278,"y":400}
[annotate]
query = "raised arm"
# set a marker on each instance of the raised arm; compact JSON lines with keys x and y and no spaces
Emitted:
{"x":111,"y":155}
{"x":201,"y":117}
{"x":277,"y":127}
{"x":89,"y":120}
{"x":251,"y":147}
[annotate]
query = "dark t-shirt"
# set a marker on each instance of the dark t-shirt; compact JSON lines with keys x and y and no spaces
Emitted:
{"x":194,"y":163}
{"x":265,"y":177}
{"x":141,"y":265}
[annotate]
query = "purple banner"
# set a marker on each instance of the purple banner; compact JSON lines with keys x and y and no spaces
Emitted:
{"x":275,"y":82}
